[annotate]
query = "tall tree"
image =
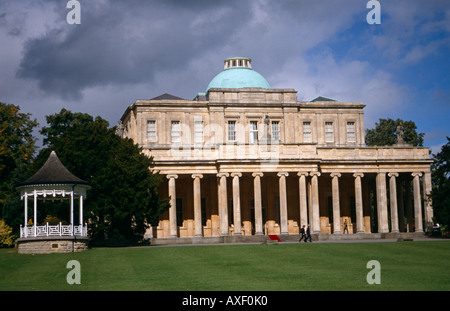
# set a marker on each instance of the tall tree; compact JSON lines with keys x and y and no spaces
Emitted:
{"x":124,"y":198}
{"x":17,"y":148}
{"x":385,"y":133}
{"x":440,"y":173}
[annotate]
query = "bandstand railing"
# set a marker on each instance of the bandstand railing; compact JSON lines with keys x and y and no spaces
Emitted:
{"x":53,"y":230}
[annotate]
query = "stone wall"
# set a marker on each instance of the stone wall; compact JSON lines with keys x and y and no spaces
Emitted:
{"x":46,"y":245}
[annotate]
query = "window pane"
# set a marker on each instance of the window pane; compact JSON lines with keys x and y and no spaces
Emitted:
{"x":351,"y":137}
{"x":329,"y":137}
{"x":275,"y":130}
{"x":151,"y":131}
{"x":307,"y":137}
{"x":176,"y":138}
{"x":231,"y":130}
{"x":253,"y":132}
{"x":198,"y":131}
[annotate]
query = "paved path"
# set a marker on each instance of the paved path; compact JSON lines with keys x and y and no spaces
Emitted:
{"x":427,"y":239}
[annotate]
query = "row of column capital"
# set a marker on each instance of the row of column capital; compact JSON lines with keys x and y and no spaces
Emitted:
{"x":303,"y":173}
{"x":397,"y":174}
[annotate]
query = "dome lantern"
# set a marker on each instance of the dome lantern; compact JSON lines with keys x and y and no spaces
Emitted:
{"x":238,"y":73}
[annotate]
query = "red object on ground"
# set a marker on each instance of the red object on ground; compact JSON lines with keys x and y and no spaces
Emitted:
{"x":274,"y":237}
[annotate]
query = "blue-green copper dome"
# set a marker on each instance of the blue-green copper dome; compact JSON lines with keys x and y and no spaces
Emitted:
{"x":238,"y":74}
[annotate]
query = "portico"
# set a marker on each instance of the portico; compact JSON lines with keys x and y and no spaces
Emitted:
{"x":265,"y":203}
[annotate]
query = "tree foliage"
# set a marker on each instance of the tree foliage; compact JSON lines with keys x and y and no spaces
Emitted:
{"x":17,"y":148}
{"x":385,"y":133}
{"x":6,"y":235}
{"x":440,"y":173}
{"x":124,"y":198}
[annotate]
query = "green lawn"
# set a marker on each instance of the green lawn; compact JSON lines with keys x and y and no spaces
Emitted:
{"x":315,"y":266}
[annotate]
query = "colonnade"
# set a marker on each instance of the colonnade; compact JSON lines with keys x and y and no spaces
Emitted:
{"x":309,"y":210}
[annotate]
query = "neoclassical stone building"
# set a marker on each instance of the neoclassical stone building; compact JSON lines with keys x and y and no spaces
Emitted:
{"x":244,"y":159}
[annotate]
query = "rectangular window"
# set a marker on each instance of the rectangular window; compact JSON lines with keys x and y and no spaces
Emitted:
{"x":329,"y":135}
{"x":198,"y":131}
{"x":253,"y":138}
{"x":231,"y":130}
{"x":351,"y":137}
{"x":151,"y":131}
{"x":275,"y":130}
{"x":176,"y":132}
{"x":307,"y":137}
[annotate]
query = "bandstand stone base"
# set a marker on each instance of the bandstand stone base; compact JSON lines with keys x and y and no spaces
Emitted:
{"x":47,"y":245}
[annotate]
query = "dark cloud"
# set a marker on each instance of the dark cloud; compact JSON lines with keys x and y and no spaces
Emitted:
{"x":120,"y":43}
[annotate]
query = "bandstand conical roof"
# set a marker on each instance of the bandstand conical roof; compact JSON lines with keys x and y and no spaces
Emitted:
{"x":53,"y":172}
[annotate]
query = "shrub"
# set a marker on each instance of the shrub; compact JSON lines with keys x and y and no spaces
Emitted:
{"x":6,"y":236}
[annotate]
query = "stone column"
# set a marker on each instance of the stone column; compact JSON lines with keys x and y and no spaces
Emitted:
{"x":417,"y":202}
{"x":336,"y":203}
{"x":223,"y":204}
{"x":173,"y":205}
{"x":393,"y":201}
{"x":283,"y":203}
{"x":428,"y":208}
{"x":382,"y":203}
{"x":315,"y":201}
{"x":236,"y":204}
{"x":197,"y":205}
{"x":303,"y":199}
{"x":359,"y":203}
{"x":257,"y":202}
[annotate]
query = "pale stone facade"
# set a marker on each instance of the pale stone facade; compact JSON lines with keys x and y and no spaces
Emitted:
{"x":256,"y":161}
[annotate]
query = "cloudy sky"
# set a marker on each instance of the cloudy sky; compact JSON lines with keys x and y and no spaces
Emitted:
{"x":138,"y":49}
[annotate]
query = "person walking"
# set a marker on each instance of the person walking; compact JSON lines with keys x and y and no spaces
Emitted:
{"x":308,"y":234}
{"x":302,"y":232}
{"x":345,"y":226}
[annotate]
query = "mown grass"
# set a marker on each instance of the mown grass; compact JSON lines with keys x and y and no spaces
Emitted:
{"x":405,"y":266}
